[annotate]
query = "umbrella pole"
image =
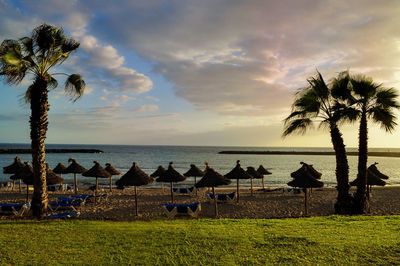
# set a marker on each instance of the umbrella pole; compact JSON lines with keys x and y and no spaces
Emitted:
{"x":215,"y":203}
{"x":172,"y":194}
{"x":136,"y":205}
{"x":75,"y":184}
{"x":20,"y":190}
{"x":162,"y":186}
{"x":110,"y":184}
{"x":13,"y":185}
{"x":251,"y":188}
{"x":263,"y":183}
{"x":306,"y":202}
{"x":237,"y":189}
{"x":194,"y":185}
{"x":97,"y":187}
{"x":27,"y":193}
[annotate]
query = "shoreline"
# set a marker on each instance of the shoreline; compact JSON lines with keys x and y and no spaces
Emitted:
{"x":350,"y":153}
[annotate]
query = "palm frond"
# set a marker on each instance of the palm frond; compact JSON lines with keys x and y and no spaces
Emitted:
{"x":319,"y":86}
{"x":69,"y":46}
{"x":298,"y":126}
{"x":341,"y":87}
{"x":27,"y":46}
{"x":75,"y":86}
{"x":384,"y":117}
{"x":364,"y":86}
{"x":387,"y":98}
{"x":52,"y":83}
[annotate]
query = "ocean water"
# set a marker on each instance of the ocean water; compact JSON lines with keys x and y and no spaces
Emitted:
{"x":149,"y":157}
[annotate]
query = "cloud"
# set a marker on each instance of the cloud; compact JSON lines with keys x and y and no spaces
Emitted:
{"x":147,"y":108}
{"x":254,"y":54}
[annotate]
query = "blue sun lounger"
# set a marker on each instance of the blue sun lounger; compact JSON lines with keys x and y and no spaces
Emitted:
{"x":14,"y":209}
{"x":55,"y":206}
{"x":64,"y":215}
{"x":183,"y":190}
{"x":222,"y":197}
{"x":192,"y":209}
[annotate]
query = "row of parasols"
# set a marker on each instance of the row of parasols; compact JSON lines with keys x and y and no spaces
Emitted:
{"x":305,"y":177}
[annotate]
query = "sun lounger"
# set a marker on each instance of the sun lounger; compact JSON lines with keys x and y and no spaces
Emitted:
{"x":192,"y":209}
{"x":55,"y":206}
{"x":222,"y":197}
{"x":60,"y":187}
{"x":14,"y":209}
{"x":64,"y":215}
{"x":269,"y":189}
{"x":184,"y":190}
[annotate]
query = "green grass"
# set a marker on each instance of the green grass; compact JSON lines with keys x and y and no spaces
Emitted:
{"x":322,"y":240}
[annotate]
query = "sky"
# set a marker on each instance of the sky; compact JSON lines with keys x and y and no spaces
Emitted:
{"x":210,"y":72}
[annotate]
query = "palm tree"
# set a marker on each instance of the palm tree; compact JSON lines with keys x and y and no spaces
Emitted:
{"x":316,"y":104}
{"x":368,"y":100}
{"x":34,"y":57}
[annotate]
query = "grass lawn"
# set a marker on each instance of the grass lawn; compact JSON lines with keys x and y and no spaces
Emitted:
{"x":323,"y":240}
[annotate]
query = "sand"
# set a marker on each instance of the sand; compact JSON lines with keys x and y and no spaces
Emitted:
{"x":120,"y":204}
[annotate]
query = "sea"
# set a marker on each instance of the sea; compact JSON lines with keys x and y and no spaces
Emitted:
{"x":150,"y":157}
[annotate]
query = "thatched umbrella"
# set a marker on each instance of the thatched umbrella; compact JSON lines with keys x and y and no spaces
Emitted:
{"x":303,"y":178}
{"x":26,"y":173}
{"x":60,"y":169}
{"x":254,"y":174}
{"x":135,"y":177}
{"x":374,"y":178}
{"x":238,"y":173}
{"x":12,"y":169}
{"x":97,"y":171}
{"x":75,"y":168}
{"x":111,"y":169}
{"x":170,"y":176}
{"x":195,"y":172}
{"x":263,"y":171}
{"x":160,"y":170}
{"x":51,"y":177}
{"x":212,"y":179}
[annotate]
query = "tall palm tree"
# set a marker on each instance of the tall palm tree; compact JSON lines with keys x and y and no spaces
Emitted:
{"x":316,"y":104}
{"x":369,"y":100}
{"x":34,"y":57}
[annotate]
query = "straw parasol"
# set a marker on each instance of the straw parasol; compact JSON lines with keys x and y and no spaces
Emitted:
{"x":195,"y":172}
{"x":303,"y":178}
{"x":26,"y":174}
{"x":135,"y":177}
{"x":170,"y":176}
{"x":12,"y":169}
{"x":374,"y":178}
{"x":51,"y":177}
{"x":213,"y":179}
{"x":111,"y":169}
{"x":254,"y":174}
{"x":160,"y":170}
{"x":60,"y":169}
{"x":263,"y":171}
{"x":97,"y":171}
{"x":375,"y":170}
{"x":75,"y":168}
{"x":238,"y":173}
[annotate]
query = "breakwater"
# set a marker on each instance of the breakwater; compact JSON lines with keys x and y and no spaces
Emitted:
{"x":373,"y":153}
{"x":27,"y":151}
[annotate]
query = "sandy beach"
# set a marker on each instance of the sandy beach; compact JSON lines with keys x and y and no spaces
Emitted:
{"x":120,"y":204}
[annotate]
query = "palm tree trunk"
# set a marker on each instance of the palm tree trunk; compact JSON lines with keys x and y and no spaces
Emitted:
{"x":38,"y":124}
{"x":344,"y":202}
{"x":361,"y":202}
